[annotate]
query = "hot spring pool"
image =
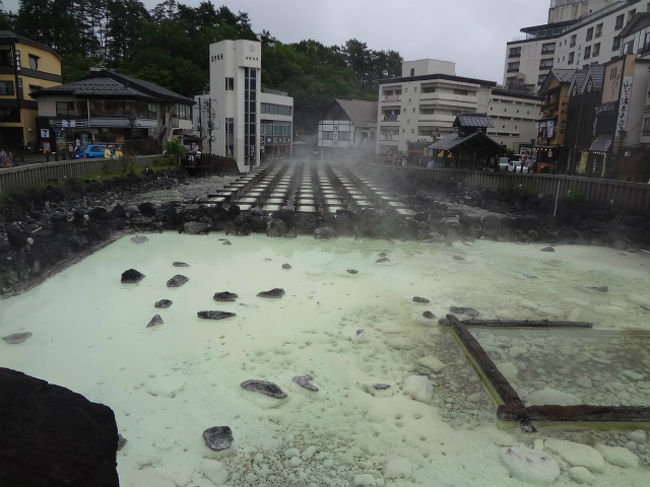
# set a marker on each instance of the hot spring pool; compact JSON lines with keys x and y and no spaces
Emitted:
{"x":168,"y":383}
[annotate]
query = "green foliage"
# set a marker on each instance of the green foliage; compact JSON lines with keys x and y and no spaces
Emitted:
{"x":169,"y":45}
{"x":174,"y":151}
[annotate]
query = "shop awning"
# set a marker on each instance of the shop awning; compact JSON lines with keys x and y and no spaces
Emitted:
{"x":601,"y":143}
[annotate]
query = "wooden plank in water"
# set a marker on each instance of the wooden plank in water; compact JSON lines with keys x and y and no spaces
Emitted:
{"x":581,"y":413}
{"x":498,"y":381}
{"x":527,"y":323}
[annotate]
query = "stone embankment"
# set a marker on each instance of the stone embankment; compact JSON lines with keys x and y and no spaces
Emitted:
{"x":44,"y":229}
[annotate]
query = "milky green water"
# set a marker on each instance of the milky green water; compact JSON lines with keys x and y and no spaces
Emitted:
{"x":168,"y":383}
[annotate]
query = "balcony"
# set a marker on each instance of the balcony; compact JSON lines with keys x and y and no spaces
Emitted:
{"x":643,"y":50}
{"x":391,"y":99}
{"x":386,"y":120}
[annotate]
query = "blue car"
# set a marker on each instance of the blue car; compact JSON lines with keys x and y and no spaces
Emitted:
{"x":89,"y":151}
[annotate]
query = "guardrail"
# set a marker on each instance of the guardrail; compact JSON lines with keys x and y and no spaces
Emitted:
{"x":619,"y":195}
{"x":17,"y":178}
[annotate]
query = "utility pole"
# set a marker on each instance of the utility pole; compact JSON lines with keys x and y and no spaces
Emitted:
{"x":210,"y":124}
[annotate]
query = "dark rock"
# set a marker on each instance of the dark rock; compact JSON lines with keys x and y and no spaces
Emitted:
{"x":382,"y":254}
{"x":444,"y":322}
{"x":226,"y":242}
{"x":325,"y":233}
{"x":156,"y":320}
{"x":264,"y":387}
{"x":602,"y":289}
{"x":529,"y":276}
{"x":180,"y":264}
{"x":17,"y":338}
{"x":464,"y":310}
{"x":99,"y":213}
{"x":257,"y":222}
{"x":418,"y":299}
{"x":360,"y":331}
{"x":548,"y":249}
{"x":118,"y":211}
{"x":381,"y":387}
{"x":286,"y":266}
{"x":458,"y":257}
{"x":52,"y":436}
{"x":139,"y":239}
{"x":352,"y":271}
{"x":163,"y":303}
{"x":277,"y":228}
{"x":305,"y":381}
{"x":646,"y":307}
{"x":177,"y":281}
{"x":196,"y":228}
{"x":131,"y":276}
{"x":121,"y":442}
{"x":225,"y":296}
{"x":383,"y":259}
{"x":147,"y":209}
{"x":215,"y":315}
{"x":218,"y":438}
{"x":17,"y":238}
{"x":429,"y":315}
{"x":276,"y":292}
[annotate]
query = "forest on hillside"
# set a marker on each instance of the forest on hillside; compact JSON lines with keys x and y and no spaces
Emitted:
{"x":168,"y":45}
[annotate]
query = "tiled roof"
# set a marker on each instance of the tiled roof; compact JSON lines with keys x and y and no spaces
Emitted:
{"x":563,"y":75}
{"x":109,"y":84}
{"x":11,"y":36}
{"x":473,"y":120}
{"x":450,"y":141}
{"x":361,"y":112}
{"x":596,"y":74}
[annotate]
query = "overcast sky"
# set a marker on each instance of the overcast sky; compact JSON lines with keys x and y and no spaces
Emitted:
{"x":471,"y":33}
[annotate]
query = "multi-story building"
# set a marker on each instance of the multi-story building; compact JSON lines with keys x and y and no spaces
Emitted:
{"x":568,"y":44}
{"x":422,"y":105}
{"x":110,"y":107}
{"x":25,"y":66}
{"x":241,"y":105}
{"x":564,"y":10}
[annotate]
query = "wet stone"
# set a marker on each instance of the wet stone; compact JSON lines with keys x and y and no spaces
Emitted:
{"x":381,"y":387}
{"x":646,"y":307}
{"x":121,"y":441}
{"x":383,"y":259}
{"x":225,"y":296}
{"x":180,"y":264}
{"x":444,"y":322}
{"x":352,"y":271}
{"x":286,"y":266}
{"x":305,"y":381}
{"x":226,"y":242}
{"x":464,"y":310}
{"x":429,"y":315}
{"x":155,"y":320}
{"x":177,"y":281}
{"x":16,"y":338}
{"x":264,"y":387}
{"x":215,"y":315}
{"x":458,"y":257}
{"x":548,"y":249}
{"x":139,"y":239}
{"x":529,"y":276}
{"x":418,"y":299}
{"x":163,"y":303}
{"x":218,"y":438}
{"x":276,"y":292}
{"x":131,"y":276}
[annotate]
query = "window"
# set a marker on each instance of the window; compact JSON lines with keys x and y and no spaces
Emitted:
{"x":69,"y":109}
{"x":33,"y":62}
{"x":462,"y":92}
{"x":548,"y":48}
{"x":546,"y":64}
{"x":599,"y":30}
{"x":596,"y":50}
{"x":572,"y":43}
{"x":590,"y":33}
{"x":587,"y":52}
{"x":6,"y":87}
{"x":230,"y":130}
{"x":230,"y":84}
{"x":412,"y":71}
{"x":514,"y":52}
{"x":571,"y":57}
{"x":646,"y":126}
{"x":9,"y":114}
{"x":617,"y":44}
{"x":628,"y":47}
{"x":5,"y":57}
{"x":620,"y":20}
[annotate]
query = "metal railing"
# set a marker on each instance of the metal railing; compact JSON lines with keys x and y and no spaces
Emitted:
{"x":610,"y":193}
{"x":17,"y":178}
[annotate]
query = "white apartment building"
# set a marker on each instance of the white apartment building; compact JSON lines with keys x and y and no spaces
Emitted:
{"x":423,"y":103}
{"x":563,"y":10}
{"x":568,"y":44}
{"x":276,"y":124}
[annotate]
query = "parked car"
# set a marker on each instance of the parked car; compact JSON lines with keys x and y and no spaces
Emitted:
{"x":90,"y":151}
{"x":513,"y":164}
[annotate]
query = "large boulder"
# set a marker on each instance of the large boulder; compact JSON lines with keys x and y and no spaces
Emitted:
{"x":52,"y":436}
